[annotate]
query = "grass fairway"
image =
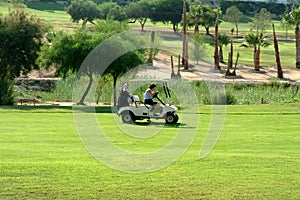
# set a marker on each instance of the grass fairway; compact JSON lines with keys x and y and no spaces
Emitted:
{"x":257,"y":157}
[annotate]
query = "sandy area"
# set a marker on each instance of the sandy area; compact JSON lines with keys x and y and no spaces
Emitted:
{"x":203,"y":71}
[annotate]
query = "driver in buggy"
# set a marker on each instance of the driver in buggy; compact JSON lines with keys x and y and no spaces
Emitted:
{"x":148,"y":98}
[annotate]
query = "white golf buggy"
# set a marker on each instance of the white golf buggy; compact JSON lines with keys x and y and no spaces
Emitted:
{"x":139,"y":111}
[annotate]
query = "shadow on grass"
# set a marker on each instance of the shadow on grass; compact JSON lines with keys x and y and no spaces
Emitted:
{"x":46,"y":6}
{"x":153,"y":123}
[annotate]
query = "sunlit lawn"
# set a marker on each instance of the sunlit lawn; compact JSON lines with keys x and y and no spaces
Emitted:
{"x":257,"y":157}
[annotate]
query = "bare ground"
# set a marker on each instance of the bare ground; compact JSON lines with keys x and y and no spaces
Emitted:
{"x":161,"y":69}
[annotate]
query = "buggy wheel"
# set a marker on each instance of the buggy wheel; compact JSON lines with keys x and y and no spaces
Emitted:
{"x":171,"y":118}
{"x":176,"y":118}
{"x":127,"y":117}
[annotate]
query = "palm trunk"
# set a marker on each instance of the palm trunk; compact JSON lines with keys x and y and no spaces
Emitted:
{"x":279,"y":68}
{"x":221,"y":54}
{"x":256,"y":61}
{"x":196,"y":30}
{"x":254,"y":57}
{"x":216,"y":56}
{"x":231,"y":53}
{"x":297,"y":32}
{"x":185,"y":42}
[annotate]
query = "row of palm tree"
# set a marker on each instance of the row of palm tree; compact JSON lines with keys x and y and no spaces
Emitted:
{"x":252,"y":40}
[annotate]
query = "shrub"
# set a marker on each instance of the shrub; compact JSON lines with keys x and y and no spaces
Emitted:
{"x":6,"y":92}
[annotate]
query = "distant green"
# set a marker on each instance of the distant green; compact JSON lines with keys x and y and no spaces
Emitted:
{"x":57,"y":17}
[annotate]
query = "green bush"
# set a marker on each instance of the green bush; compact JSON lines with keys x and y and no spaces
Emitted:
{"x":6,"y":92}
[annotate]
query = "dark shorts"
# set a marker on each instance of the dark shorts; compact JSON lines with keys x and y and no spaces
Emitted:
{"x":150,"y":102}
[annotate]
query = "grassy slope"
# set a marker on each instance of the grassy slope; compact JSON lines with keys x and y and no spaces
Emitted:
{"x":57,"y":19}
{"x":257,"y":157}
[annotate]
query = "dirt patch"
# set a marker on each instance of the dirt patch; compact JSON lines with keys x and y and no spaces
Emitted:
{"x":161,"y":69}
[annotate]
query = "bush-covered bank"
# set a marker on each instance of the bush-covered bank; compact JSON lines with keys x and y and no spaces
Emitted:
{"x":236,"y":93}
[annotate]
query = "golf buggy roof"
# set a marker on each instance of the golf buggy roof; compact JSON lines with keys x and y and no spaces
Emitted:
{"x":163,"y":82}
{"x":149,"y":80}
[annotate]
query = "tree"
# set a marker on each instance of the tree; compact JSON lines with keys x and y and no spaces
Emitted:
{"x":261,"y":21}
{"x":83,"y":10}
{"x":208,"y":17}
{"x":67,"y":51}
{"x":117,"y":13}
{"x":167,"y":11}
{"x":255,"y":41}
{"x":104,"y":9}
{"x":202,"y":14}
{"x":123,"y":2}
{"x":234,"y":15}
{"x":98,"y":2}
{"x":20,"y":41}
{"x":123,"y":64}
{"x":285,"y":25}
{"x":194,"y":17}
{"x":293,"y":18}
{"x":106,"y":28}
{"x":139,"y":11}
{"x":224,"y":40}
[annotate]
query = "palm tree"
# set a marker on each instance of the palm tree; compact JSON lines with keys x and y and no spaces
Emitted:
{"x":256,"y":41}
{"x":293,"y":18}
{"x":277,"y":56}
{"x":224,"y":40}
{"x":194,"y":16}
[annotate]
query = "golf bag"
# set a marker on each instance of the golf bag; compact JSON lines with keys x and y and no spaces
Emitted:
{"x":123,"y":99}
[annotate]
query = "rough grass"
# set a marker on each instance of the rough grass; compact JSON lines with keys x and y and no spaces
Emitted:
{"x":257,"y":157}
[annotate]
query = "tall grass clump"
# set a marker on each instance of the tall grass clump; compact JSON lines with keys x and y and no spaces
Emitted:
{"x":244,"y":93}
{"x":212,"y":93}
{"x":62,"y":91}
{"x":267,"y":93}
{"x":184,"y":92}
